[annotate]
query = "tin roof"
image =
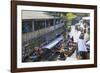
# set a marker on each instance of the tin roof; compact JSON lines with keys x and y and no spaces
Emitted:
{"x":29,"y":14}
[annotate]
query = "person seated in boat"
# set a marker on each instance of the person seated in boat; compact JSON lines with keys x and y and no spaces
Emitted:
{"x":38,"y":50}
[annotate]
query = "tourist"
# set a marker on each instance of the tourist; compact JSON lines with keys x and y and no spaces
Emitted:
{"x":86,"y":36}
{"x":82,"y":50}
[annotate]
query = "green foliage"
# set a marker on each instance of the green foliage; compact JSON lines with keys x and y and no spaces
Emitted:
{"x":62,"y":14}
{"x":34,"y":43}
{"x":70,"y":16}
{"x":83,"y":14}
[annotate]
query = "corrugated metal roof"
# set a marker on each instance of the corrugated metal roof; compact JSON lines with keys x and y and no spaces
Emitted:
{"x":26,"y":14}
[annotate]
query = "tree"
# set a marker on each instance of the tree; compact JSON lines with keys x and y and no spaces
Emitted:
{"x":68,"y":17}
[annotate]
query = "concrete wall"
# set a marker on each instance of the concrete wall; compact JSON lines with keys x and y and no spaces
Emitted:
{"x":30,"y":35}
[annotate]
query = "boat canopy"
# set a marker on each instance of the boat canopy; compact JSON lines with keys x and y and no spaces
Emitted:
{"x":53,"y":43}
{"x":86,"y":18}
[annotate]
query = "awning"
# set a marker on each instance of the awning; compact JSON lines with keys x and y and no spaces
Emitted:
{"x":86,"y":18}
